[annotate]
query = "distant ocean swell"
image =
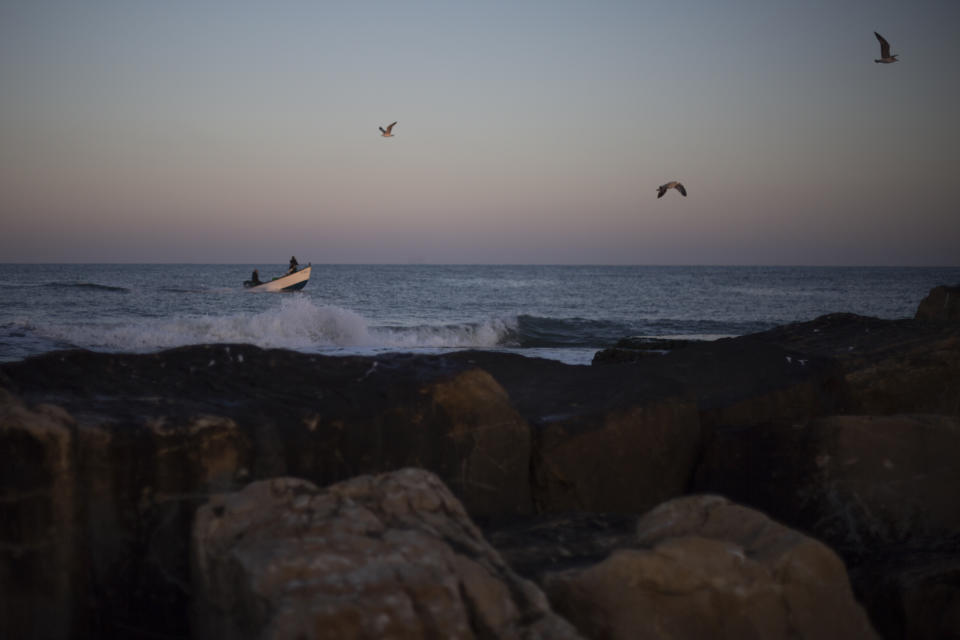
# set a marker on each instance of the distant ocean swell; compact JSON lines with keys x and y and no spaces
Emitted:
{"x":92,"y":286}
{"x":299,"y":324}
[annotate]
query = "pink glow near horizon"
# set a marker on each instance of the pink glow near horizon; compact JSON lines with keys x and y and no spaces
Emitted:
{"x":526,"y":134}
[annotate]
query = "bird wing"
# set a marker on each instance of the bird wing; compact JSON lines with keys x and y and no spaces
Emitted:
{"x":681,"y":189}
{"x":662,"y":189}
{"x":390,"y":127}
{"x":884,"y":45}
{"x":381,"y":130}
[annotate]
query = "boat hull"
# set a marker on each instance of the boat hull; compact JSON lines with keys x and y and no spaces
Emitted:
{"x":290,"y":282}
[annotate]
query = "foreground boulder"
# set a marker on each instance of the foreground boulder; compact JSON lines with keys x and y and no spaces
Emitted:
{"x":881,"y":490}
{"x":708,"y":568}
{"x":388,"y":556}
{"x":942,"y":304}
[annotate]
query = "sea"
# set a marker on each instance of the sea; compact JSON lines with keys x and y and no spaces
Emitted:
{"x":564,"y":313}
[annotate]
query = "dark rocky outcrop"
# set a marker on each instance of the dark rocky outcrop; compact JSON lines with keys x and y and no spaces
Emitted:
{"x":144,"y":440}
{"x":863,"y":484}
{"x":41,"y":546}
{"x":387,"y":556}
{"x":107,"y":457}
{"x":942,"y":304}
{"x":913,"y":594}
{"x":637,"y":348}
{"x":887,"y":366}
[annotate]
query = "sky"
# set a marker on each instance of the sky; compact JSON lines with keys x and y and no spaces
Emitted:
{"x":528,"y":132}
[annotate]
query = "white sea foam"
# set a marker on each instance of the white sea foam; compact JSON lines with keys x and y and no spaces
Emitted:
{"x":297,"y":323}
{"x":485,"y":334}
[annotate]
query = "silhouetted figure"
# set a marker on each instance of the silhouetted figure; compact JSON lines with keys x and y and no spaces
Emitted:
{"x":293,"y":264}
{"x":254,"y":280}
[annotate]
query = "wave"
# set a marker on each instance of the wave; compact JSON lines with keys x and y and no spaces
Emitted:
{"x":92,"y":286}
{"x":541,"y":332}
{"x":299,"y":324}
{"x":712,"y":328}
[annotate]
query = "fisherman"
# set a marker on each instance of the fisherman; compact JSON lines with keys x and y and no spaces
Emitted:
{"x":255,"y":278}
{"x":293,"y":264}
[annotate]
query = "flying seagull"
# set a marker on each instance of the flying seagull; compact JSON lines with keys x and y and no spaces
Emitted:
{"x":386,"y":132}
{"x":673,"y":184}
{"x":885,"y":56}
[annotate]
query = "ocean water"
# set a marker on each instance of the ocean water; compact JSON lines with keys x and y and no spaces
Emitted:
{"x":565,"y":313}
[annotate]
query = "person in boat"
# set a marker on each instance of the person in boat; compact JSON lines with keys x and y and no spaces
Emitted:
{"x":255,"y":278}
{"x":293,"y":264}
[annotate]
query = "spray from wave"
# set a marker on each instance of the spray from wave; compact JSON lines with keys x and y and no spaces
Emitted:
{"x":296,"y":324}
{"x":300,"y":325}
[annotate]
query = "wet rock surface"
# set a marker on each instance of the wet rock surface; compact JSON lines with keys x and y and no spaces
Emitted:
{"x":637,"y":348}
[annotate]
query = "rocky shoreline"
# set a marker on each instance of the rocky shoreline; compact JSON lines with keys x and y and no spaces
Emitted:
{"x":230,"y":491}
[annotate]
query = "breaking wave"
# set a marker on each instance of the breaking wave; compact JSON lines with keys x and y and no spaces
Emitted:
{"x":299,"y":324}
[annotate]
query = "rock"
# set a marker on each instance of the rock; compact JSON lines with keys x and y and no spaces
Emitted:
{"x":98,"y":517}
{"x":41,"y":559}
{"x":860,"y":483}
{"x":537,"y":545}
{"x":635,"y":348}
{"x":942,"y":304}
{"x":393,"y":555}
{"x":742,"y":382}
{"x":152,"y":436}
{"x":881,"y":490}
{"x":924,"y":379}
{"x":885,"y":366}
{"x":611,"y":438}
{"x":710,"y":568}
{"x":147,"y":438}
{"x":913,"y":595}
{"x":628,"y":460}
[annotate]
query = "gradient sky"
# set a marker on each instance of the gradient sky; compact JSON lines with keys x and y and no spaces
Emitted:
{"x":529,"y":132}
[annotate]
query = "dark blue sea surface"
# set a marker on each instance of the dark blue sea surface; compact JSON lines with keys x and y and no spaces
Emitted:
{"x":561,"y":312}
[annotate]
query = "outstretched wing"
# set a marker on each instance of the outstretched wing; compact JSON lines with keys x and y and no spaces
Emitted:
{"x":662,"y":189}
{"x":681,"y":189}
{"x":884,"y":45}
{"x":381,"y":130}
{"x":390,"y":128}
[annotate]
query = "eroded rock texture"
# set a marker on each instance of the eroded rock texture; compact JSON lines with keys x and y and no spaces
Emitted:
{"x":41,"y":563}
{"x":387,"y":556}
{"x":843,"y":427}
{"x":707,"y":568}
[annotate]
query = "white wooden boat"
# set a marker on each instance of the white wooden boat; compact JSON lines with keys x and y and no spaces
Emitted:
{"x":290,"y":282}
